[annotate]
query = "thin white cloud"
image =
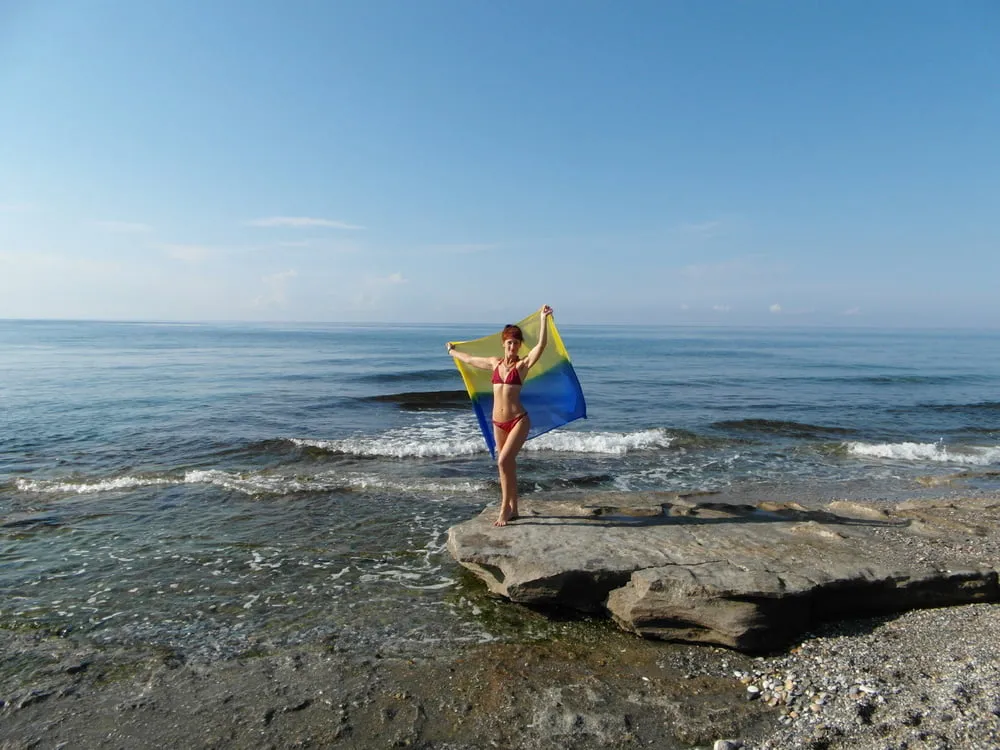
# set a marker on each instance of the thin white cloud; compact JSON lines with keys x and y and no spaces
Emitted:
{"x":721,"y":308}
{"x":122,"y":227}
{"x":775,"y":308}
{"x":300,"y":222}
{"x":852,"y":311}
{"x":189,"y":253}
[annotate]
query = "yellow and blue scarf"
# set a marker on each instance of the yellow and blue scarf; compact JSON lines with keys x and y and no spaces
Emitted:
{"x":551,"y":393}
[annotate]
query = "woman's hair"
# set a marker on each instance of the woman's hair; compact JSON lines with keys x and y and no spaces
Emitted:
{"x":512,"y":332}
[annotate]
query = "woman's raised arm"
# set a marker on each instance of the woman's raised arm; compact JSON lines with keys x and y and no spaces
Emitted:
{"x":483,"y":363}
{"x":543,"y":337}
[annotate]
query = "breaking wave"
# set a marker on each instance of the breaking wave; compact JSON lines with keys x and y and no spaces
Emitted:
{"x":259,"y":483}
{"x":433,"y":441}
{"x":86,"y":487}
{"x":938,"y":452}
{"x":613,"y":443}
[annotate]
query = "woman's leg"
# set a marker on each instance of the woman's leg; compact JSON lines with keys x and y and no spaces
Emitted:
{"x":508,"y":445}
{"x":500,"y":436}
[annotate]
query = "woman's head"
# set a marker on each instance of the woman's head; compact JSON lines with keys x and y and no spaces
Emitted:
{"x":512,"y":338}
{"x":512,"y":332}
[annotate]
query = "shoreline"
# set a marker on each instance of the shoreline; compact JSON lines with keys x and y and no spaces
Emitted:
{"x":920,"y":679}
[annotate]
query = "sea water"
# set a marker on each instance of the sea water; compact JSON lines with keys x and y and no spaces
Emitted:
{"x":212,"y":488}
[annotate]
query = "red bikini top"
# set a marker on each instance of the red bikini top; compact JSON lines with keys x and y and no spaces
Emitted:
{"x":513,"y":376}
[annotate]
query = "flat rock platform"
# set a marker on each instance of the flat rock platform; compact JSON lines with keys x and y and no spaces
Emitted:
{"x":750,"y":577}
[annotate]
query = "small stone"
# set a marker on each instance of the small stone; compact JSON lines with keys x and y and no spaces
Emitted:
{"x":35,"y":696}
{"x":78,"y":667}
{"x":864,"y":711}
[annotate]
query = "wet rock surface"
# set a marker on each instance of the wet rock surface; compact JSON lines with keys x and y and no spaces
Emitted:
{"x":924,"y":679}
{"x":606,"y":689}
{"x":751,"y":577}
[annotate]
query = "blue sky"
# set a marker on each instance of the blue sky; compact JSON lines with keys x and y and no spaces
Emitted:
{"x":765,"y":162}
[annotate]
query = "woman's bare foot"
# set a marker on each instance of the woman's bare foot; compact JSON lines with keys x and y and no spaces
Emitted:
{"x":506,"y":514}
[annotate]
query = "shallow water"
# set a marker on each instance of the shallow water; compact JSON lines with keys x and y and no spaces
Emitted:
{"x":212,"y":487}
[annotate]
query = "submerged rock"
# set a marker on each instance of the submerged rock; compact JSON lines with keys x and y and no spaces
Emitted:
{"x":751,"y":577}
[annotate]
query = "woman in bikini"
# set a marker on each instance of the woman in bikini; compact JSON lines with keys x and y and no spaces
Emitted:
{"x":510,"y":420}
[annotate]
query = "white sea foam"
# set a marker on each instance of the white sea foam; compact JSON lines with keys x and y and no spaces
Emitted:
{"x":614,"y":443}
{"x":447,"y":439}
{"x":261,"y":483}
{"x":398,"y":446}
{"x":434,"y":437}
{"x":971,"y":455}
{"x":372,"y":481}
{"x":88,"y":487}
{"x":256,"y":483}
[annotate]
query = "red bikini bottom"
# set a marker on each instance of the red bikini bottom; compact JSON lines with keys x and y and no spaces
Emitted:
{"x":508,"y":426}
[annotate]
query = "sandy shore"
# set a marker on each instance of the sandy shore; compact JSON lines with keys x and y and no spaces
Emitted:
{"x":923,"y":679}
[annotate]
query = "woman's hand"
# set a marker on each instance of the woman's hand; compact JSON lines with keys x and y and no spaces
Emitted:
{"x":449,"y":346}
{"x":546,"y":311}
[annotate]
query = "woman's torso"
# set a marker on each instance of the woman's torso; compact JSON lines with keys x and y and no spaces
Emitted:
{"x":507,"y":394}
